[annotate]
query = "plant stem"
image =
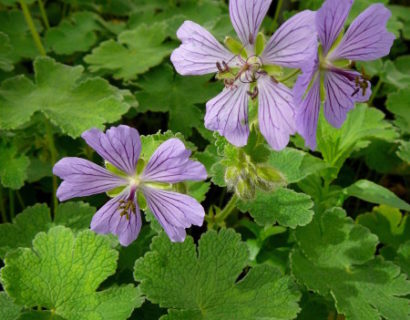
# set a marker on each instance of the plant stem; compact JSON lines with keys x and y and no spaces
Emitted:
{"x":375,"y":91}
{"x":32,"y":27}
{"x":227,"y":210}
{"x":43,"y":14}
{"x":2,"y":207}
{"x":276,"y":16}
{"x":53,"y":155}
{"x":20,"y":200}
{"x":11,"y":204}
{"x":289,"y":76}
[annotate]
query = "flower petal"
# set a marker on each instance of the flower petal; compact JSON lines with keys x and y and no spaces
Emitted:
{"x":341,"y":94}
{"x":199,"y":52}
{"x":170,"y":163}
{"x":293,"y":43}
{"x":174,"y":211}
{"x":246,"y":17}
{"x":307,"y":104}
{"x":276,"y":112}
{"x":367,"y":37}
{"x":83,"y":178}
{"x":109,"y":220}
{"x":330,"y":20}
{"x":121,"y":146}
{"x":227,"y":113}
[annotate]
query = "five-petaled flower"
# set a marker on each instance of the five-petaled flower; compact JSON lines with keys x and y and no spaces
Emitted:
{"x":125,"y":176}
{"x":327,"y":77}
{"x":247,"y":73}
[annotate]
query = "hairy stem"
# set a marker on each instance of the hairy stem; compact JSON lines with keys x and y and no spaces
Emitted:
{"x":276,"y":16}
{"x":43,"y":14}
{"x":2,"y":207}
{"x":227,"y":210}
{"x":20,"y":200}
{"x":53,"y":156}
{"x":32,"y":27}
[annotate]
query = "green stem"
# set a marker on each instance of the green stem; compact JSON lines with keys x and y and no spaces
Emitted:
{"x":2,"y":207}
{"x":32,"y":27}
{"x":289,"y":76}
{"x":53,"y":155}
{"x":43,"y":14}
{"x":11,"y":204}
{"x":227,"y":210}
{"x":20,"y":200}
{"x":375,"y":91}
{"x":276,"y":16}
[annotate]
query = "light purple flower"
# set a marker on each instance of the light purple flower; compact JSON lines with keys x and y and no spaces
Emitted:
{"x":121,"y":147}
{"x":366,"y":39}
{"x":200,"y":53}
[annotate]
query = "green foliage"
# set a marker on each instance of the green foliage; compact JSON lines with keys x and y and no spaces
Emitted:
{"x":134,"y":53}
{"x":164,"y":91}
{"x":62,"y":273}
{"x":397,"y":104}
{"x":35,"y":219}
{"x":203,"y":285}
{"x":8,"y":309}
{"x":334,"y":258}
{"x":6,"y":61}
{"x":284,"y":206}
{"x":79,"y":29}
{"x":62,"y":95}
{"x":13,"y":166}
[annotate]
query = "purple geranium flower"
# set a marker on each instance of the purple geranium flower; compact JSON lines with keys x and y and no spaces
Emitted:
{"x":247,"y":73}
{"x":120,"y":147}
{"x":327,"y":77}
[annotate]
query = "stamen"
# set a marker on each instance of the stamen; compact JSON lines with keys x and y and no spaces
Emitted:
{"x":127,"y":206}
{"x":253,"y":94}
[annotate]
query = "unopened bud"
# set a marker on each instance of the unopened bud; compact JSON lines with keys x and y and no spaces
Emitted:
{"x":269,"y":178}
{"x":232,"y":175}
{"x":245,"y":189}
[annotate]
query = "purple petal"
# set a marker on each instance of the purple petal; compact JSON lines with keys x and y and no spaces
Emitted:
{"x":199,"y":52}
{"x":170,"y":163}
{"x":293,"y":43}
{"x":174,"y":211}
{"x":276,"y":112}
{"x":109,"y":220}
{"x":308,"y":104}
{"x":367,"y":37}
{"x":83,"y":178}
{"x":246,"y":17}
{"x":330,"y":20}
{"x":341,"y":95}
{"x":227,"y":113}
{"x":120,"y":146}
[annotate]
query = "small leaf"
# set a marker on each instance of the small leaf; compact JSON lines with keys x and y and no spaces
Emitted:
{"x":398,"y":103}
{"x":204,"y":285}
{"x":13,"y":166}
{"x":135,"y":52}
{"x":371,"y":192}
{"x":62,"y":273}
{"x":60,"y":92}
{"x":284,"y":206}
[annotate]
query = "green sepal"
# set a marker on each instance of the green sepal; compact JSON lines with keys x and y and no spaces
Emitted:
{"x":235,"y":46}
{"x":341,"y":63}
{"x":140,"y":166}
{"x":115,"y":192}
{"x":272,"y":70}
{"x":227,"y":75}
{"x":260,"y":43}
{"x":159,"y":185}
{"x":142,"y":203}
{"x":336,"y":42}
{"x":180,"y":187}
{"x":322,"y":87}
{"x":113,"y":169}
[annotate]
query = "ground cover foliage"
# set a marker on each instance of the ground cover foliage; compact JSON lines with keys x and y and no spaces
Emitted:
{"x":289,"y":234}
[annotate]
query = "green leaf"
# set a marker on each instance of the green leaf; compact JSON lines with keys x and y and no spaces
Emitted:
{"x":335,"y":259}
{"x":403,"y":257}
{"x":361,"y":126}
{"x":60,"y":92}
{"x":13,"y":166}
{"x":73,"y":34}
{"x":62,"y":273}
{"x":14,"y":25}
{"x":404,"y":151}
{"x":295,"y":164}
{"x":204,"y":285}
{"x":390,"y":226}
{"x":402,"y":13}
{"x":164,"y":91}
{"x":8,"y":309}
{"x":284,"y":206}
{"x":20,"y":233}
{"x":135,"y":52}
{"x":6,"y":61}
{"x":371,"y":192}
{"x":395,"y":76}
{"x":398,"y":103}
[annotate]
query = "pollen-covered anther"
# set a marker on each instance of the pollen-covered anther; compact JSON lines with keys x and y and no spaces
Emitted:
{"x":127,"y":206}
